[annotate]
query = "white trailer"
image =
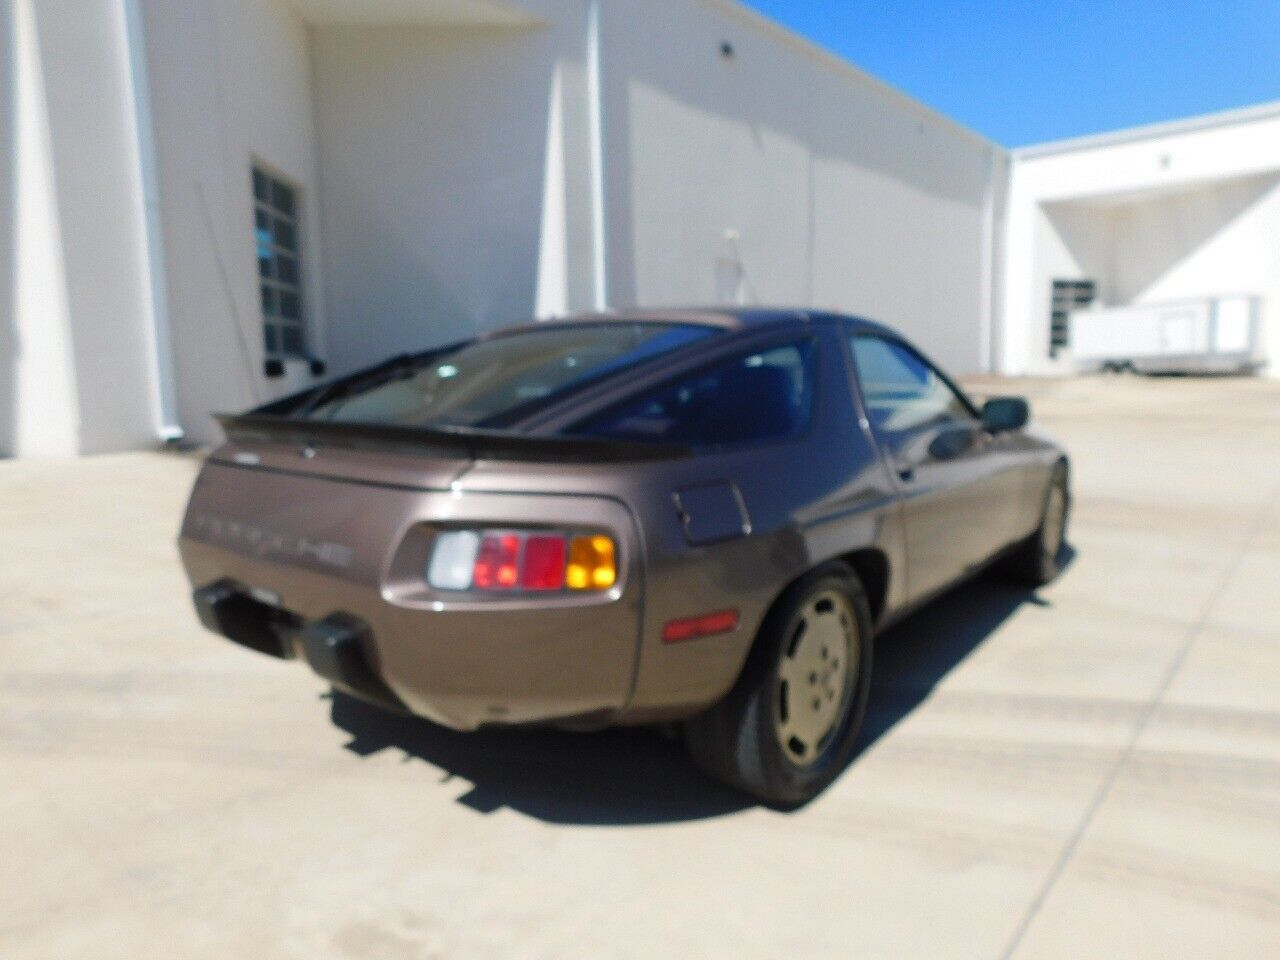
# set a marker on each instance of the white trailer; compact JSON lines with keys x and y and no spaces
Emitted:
{"x":1207,"y":335}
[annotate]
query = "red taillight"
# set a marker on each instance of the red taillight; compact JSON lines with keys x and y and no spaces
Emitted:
{"x":706,"y":625}
{"x":544,"y":559}
{"x":497,"y":562}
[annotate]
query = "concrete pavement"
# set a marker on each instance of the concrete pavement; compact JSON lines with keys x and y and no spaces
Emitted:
{"x":1093,"y":771}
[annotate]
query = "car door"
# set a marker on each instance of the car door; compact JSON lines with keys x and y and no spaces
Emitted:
{"x":957,"y":495}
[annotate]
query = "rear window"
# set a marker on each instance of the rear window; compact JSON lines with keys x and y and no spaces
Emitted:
{"x":494,"y":383}
{"x":766,"y":395}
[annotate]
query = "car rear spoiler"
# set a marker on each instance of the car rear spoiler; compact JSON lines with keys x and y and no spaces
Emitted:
{"x":427,"y":441}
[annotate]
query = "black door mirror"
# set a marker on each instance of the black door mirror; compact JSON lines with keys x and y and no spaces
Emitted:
{"x":1001,"y":414}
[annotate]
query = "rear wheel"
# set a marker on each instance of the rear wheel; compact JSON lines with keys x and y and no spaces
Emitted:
{"x":1038,"y":559}
{"x":790,"y":724}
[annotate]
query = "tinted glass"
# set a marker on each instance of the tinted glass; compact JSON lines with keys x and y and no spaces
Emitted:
{"x":902,"y":392}
{"x":493,"y":383}
{"x":762,"y":396}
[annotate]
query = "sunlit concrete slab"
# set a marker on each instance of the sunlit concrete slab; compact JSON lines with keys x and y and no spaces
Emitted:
{"x":1111,"y":742}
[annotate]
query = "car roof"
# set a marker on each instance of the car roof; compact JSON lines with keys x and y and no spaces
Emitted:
{"x":729,"y":318}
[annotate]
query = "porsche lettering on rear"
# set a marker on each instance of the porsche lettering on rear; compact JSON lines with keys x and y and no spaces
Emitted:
{"x":260,"y":541}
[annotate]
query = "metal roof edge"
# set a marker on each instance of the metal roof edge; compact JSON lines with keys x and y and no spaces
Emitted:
{"x":1207,"y":121}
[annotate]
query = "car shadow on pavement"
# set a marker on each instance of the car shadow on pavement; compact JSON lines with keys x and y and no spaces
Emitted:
{"x":613,"y":777}
{"x":639,"y":776}
{"x":913,"y":656}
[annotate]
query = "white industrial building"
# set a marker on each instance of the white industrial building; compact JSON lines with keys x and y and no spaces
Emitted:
{"x":207,"y":203}
{"x":1180,"y":218}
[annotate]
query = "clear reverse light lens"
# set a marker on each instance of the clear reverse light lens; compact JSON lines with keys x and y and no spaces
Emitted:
{"x":453,"y":560}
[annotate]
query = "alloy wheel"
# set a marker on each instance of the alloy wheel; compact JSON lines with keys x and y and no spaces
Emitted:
{"x":816,"y":677}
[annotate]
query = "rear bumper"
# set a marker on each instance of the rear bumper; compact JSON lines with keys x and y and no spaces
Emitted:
{"x":464,"y":670}
{"x":339,"y":568}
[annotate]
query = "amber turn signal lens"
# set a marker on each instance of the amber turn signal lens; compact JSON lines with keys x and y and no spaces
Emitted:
{"x":593,"y":563}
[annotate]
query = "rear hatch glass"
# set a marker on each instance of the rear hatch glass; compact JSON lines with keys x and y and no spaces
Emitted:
{"x":496,"y":382}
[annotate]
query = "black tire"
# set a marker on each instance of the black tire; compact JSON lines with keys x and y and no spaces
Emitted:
{"x":1038,"y":560}
{"x":740,"y":740}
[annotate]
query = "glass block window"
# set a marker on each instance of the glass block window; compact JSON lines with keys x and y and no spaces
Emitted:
{"x":276,"y":230}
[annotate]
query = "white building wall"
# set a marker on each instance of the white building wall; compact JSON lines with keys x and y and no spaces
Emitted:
{"x":74,"y":370}
{"x":447,"y":176}
{"x":457,"y":180}
{"x":438,"y":195}
{"x":816,"y":183}
{"x":9,"y":147}
{"x":231,"y":85}
{"x":1217,"y":240}
{"x":37,"y":384}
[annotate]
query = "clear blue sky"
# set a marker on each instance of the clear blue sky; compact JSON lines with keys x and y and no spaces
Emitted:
{"x":1026,"y":71}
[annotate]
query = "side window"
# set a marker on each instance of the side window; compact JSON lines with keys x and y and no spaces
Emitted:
{"x":754,"y":398}
{"x":902,"y":392}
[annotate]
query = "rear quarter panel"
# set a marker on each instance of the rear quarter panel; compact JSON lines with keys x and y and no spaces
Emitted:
{"x":815,"y":498}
